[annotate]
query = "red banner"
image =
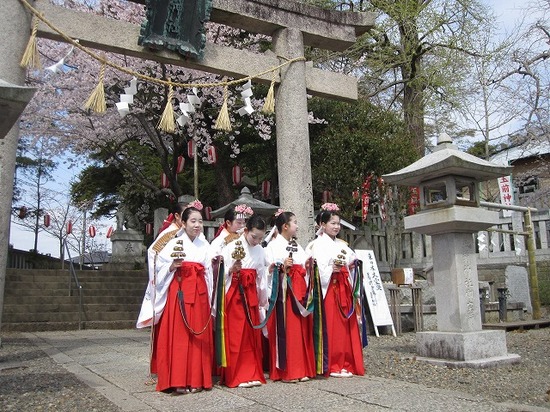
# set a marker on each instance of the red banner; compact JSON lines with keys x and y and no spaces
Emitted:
{"x":365,"y":198}
{"x":208,"y":213}
{"x":47,"y":220}
{"x":69,"y":227}
{"x":414,"y":200}
{"x":109,"y":232}
{"x":266,"y":189}
{"x":91,"y":231}
{"x":148,"y":228}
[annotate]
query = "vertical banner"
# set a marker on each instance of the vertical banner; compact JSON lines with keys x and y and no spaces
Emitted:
{"x":506,"y":193}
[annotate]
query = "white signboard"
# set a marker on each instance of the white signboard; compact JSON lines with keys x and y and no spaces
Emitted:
{"x":374,"y":290}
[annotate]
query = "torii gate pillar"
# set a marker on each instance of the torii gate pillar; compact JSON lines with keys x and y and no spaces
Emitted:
{"x":291,"y":115}
{"x":15,"y":19}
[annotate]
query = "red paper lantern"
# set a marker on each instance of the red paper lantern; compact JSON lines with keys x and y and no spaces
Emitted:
{"x":91,"y":231}
{"x":109,"y":232}
{"x":69,"y":227}
{"x":181,"y":164}
{"x":326,"y":196}
{"x":148,"y":228}
{"x":164,"y":182}
{"x":212,"y":155}
{"x":266,"y":189}
{"x":208,"y":213}
{"x":191,"y":149}
{"x":237,"y":175}
{"x":47,"y":220}
{"x":22,"y":212}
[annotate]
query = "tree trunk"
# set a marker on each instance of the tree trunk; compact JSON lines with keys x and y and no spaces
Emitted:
{"x":413,"y":93}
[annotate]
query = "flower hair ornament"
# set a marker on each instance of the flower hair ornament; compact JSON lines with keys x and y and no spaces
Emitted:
{"x":196,"y":204}
{"x":330,"y":207}
{"x":243,"y":211}
{"x":278,"y":212}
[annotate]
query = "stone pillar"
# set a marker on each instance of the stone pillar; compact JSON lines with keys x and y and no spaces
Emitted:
{"x":456,"y":282}
{"x":14,"y":32}
{"x":459,"y":339}
{"x":291,"y":115}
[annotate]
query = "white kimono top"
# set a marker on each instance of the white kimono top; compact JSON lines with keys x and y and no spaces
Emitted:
{"x":325,"y":250}
{"x":161,"y":276}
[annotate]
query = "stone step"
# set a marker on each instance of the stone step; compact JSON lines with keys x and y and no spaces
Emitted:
{"x":72,"y":316}
{"x":57,"y":326}
{"x":63,"y":300}
{"x":16,"y":286}
{"x":63,"y":276}
{"x":38,"y":300}
{"x":88,"y":308}
{"x":85,"y":292}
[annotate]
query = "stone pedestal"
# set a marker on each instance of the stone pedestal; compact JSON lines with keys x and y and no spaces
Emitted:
{"x":128,"y":250}
{"x":480,"y":349}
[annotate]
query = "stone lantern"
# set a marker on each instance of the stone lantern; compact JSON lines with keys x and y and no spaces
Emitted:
{"x":448,"y":180}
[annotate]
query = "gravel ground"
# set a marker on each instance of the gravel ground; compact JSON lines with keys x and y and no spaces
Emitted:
{"x":526,"y":383}
{"x":31,"y":381}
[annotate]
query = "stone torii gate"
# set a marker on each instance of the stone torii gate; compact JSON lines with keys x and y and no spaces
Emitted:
{"x":291,"y":25}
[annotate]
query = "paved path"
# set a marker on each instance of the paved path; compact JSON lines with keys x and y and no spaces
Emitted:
{"x":115,"y":363}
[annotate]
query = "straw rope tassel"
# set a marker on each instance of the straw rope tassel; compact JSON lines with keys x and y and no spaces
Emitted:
{"x":96,"y":101}
{"x":31,"y":59}
{"x":223,"y":122}
{"x":269,"y":104}
{"x":167,"y":122}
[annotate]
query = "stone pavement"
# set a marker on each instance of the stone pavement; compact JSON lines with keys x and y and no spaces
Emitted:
{"x":115,"y":363}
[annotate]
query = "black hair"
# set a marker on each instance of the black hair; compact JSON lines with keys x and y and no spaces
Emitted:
{"x":187,"y":212}
{"x":255,"y":222}
{"x":229,"y":215}
{"x":325,"y":215}
{"x":178,"y":208}
{"x":282,"y":219}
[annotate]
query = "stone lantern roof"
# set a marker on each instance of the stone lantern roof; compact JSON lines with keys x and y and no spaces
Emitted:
{"x":262,"y":208}
{"x":447,"y":160}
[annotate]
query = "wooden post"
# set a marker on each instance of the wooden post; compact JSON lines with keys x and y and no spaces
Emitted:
{"x":533,"y":277}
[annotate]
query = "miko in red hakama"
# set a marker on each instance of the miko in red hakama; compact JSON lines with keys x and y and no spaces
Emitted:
{"x":345,"y":351}
{"x":300,"y":355}
{"x":344,"y":340}
{"x":182,"y":357}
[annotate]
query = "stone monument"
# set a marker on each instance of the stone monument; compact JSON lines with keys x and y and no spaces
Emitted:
{"x":128,"y":252}
{"x":449,"y":212}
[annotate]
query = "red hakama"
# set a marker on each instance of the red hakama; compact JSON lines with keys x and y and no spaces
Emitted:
{"x":300,"y":355}
{"x":244,"y":343}
{"x":183,"y":359}
{"x":344,"y":341}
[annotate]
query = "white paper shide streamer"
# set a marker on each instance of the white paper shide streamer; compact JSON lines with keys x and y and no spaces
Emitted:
{"x":54,"y":68}
{"x":194,"y":102}
{"x":246,"y":95}
{"x":127,"y":98}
